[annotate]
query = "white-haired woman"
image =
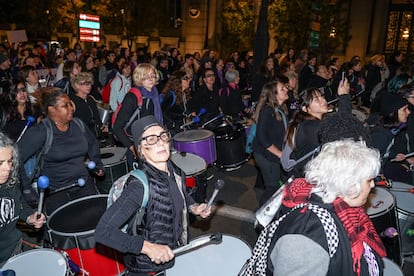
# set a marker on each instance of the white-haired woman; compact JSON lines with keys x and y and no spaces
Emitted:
{"x":325,"y":230}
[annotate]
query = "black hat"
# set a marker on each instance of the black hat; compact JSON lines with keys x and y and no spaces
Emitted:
{"x":141,"y":125}
{"x":390,"y":103}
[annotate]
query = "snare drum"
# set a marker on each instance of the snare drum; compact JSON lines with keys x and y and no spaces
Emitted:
{"x":38,"y":262}
{"x":391,"y":268}
{"x":226,"y":258}
{"x":191,"y":164}
{"x":382,"y":211}
{"x":405,"y":210}
{"x":76,"y":236}
{"x":198,"y":141}
{"x":115,"y":166}
{"x":194,"y":168}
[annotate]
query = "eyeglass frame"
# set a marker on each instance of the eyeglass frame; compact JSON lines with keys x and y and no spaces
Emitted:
{"x":159,"y":137}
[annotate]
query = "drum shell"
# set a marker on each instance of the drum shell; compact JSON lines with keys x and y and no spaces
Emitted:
{"x":38,"y":262}
{"x":198,"y":141}
{"x":382,"y":211}
{"x":71,"y":227}
{"x":115,"y":166}
{"x":391,"y":269}
{"x":231,"y":149}
{"x":225,"y":258}
{"x":405,"y":210}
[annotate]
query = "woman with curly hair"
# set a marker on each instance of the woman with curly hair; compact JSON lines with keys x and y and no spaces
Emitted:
{"x":175,"y":97}
{"x":13,"y":205}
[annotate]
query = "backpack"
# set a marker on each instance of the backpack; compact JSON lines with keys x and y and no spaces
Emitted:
{"x":34,"y":165}
{"x":106,"y":91}
{"x":249,"y":139}
{"x":116,"y":191}
{"x":136,"y":113}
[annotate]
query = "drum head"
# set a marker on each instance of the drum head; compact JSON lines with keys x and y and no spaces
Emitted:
{"x":403,"y":199}
{"x":189,"y":163}
{"x":226,"y":258}
{"x":112,"y":155}
{"x":78,"y":217}
{"x":391,"y":268}
{"x":38,"y":262}
{"x":379,"y":202}
{"x":193,"y":135}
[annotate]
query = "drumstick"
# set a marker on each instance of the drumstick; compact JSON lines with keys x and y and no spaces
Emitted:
{"x":405,"y":155}
{"x":42,"y":184}
{"x":81,"y":182}
{"x":216,"y":238}
{"x":411,"y":190}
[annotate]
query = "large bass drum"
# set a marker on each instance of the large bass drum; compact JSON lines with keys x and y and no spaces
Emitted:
{"x":71,"y":228}
{"x":226,"y":258}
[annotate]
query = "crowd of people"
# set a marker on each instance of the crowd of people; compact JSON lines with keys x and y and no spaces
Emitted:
{"x":292,"y":99}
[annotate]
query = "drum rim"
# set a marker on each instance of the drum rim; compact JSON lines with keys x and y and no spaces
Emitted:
{"x":384,"y":211}
{"x":211,"y":135}
{"x":65,"y":234}
{"x":225,"y":234}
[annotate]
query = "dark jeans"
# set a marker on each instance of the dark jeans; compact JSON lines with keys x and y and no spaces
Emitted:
{"x":271,"y":173}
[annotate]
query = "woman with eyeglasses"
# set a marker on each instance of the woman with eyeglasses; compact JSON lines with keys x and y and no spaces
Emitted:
{"x":64,"y":162}
{"x":165,"y":224}
{"x":18,"y":109}
{"x":302,"y":133}
{"x":174,"y":100}
{"x":145,"y":78}
{"x":84,"y":104}
{"x":206,"y":97}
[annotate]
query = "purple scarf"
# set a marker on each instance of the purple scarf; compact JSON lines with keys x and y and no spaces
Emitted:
{"x":154,"y":97}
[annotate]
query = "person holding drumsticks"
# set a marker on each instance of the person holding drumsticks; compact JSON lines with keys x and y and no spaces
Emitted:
{"x":165,"y":223}
{"x":13,"y":206}
{"x":64,"y":163}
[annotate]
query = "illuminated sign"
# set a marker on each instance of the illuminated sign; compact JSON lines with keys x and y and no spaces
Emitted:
{"x":89,"y":27}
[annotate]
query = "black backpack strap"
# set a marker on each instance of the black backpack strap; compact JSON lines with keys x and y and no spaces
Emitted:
{"x":45,"y":149}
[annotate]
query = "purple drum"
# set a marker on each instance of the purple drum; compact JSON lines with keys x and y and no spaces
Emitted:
{"x":198,"y":141}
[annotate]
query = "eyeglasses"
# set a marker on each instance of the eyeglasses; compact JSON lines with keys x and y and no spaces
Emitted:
{"x":85,"y":83}
{"x":149,"y":76}
{"x":186,"y":78}
{"x":165,"y":136}
{"x":210,"y":75}
{"x":21,"y":89}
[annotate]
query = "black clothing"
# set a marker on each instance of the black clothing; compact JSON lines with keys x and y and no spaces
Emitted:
{"x":64,"y":164}
{"x":87,"y":111}
{"x":269,"y":131}
{"x":162,"y":224}
{"x":6,"y":80}
{"x":305,"y":76}
{"x":231,"y":102}
{"x":173,"y":112}
{"x":129,"y":105}
{"x":205,"y":98}
{"x":13,"y":208}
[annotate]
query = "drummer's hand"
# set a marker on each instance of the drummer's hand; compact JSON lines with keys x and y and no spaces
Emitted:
{"x":399,"y":157}
{"x":157,"y":253}
{"x":343,"y":87}
{"x":201,"y":210}
{"x":36,"y":222}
